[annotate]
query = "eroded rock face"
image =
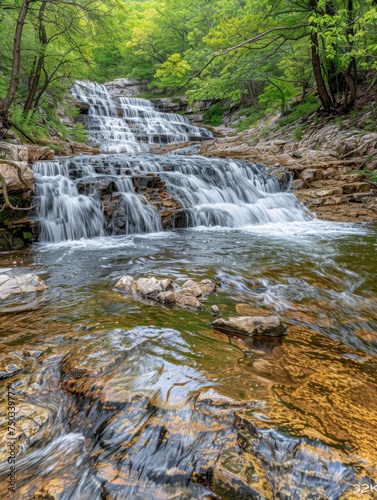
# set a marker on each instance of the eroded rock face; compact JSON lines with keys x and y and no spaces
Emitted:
{"x":19,"y":285}
{"x":251,"y":325}
{"x":166,"y":291}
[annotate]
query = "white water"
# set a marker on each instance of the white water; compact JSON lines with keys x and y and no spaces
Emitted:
{"x":94,"y":196}
{"x":212,"y":192}
{"x":128,"y":125}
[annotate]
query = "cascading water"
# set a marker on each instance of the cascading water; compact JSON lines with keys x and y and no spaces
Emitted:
{"x":88,"y":196}
{"x":211,"y":192}
{"x":128,"y":125}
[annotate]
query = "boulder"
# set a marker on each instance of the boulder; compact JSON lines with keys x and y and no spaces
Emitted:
{"x":16,"y":285}
{"x":13,"y":152}
{"x":38,"y":153}
{"x":251,"y":325}
{"x":17,"y":179}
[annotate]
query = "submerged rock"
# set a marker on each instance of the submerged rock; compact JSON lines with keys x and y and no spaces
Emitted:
{"x":166,"y":291}
{"x":251,"y":325}
{"x":242,"y":476}
{"x":16,"y":285}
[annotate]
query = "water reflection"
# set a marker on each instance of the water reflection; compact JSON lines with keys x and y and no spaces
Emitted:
{"x":135,"y":374}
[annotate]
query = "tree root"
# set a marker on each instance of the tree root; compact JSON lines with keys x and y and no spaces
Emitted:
{"x":7,"y":203}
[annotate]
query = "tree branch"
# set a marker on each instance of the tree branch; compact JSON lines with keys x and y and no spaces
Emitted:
{"x":238,"y":46}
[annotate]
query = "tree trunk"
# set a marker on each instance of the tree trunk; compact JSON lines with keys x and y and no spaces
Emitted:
{"x":37,"y":68}
{"x":316,"y":64}
{"x":6,"y":103}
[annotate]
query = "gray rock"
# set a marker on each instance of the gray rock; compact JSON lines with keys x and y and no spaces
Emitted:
{"x":18,"y":285}
{"x":251,"y":325}
{"x":125,"y":283}
{"x":215,"y":311}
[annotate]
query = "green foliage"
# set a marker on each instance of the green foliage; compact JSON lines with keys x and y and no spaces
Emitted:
{"x":252,"y":115}
{"x":309,"y":105}
{"x":298,"y":132}
{"x":213,"y":115}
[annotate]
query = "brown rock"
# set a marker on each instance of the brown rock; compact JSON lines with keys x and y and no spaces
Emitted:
{"x":251,"y":325}
{"x":356,"y":187}
{"x":37,"y":153}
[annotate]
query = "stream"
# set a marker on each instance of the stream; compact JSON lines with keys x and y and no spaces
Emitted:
{"x":119,"y":397}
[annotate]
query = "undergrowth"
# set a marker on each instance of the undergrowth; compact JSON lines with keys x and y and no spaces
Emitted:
{"x":213,"y":115}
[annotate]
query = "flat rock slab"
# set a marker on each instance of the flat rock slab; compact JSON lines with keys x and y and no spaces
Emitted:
{"x":251,"y":325}
{"x":19,"y":285}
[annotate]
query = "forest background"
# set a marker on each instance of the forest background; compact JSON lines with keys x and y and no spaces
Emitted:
{"x":258,"y":54}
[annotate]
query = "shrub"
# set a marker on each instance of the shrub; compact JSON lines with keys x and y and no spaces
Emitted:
{"x":213,"y":116}
{"x":309,"y":105}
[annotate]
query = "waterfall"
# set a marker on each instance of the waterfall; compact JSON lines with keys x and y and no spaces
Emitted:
{"x":118,"y":193}
{"x":210,"y":192}
{"x":128,"y":125}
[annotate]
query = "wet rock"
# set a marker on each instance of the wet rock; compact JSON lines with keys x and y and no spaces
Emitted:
{"x":17,"y":285}
{"x":180,"y":299}
{"x":192,"y":288}
{"x":166,"y":291}
{"x":125,"y":283}
{"x":29,"y":423}
{"x":208,"y":286}
{"x":251,"y":325}
{"x":242,"y":477}
{"x":152,"y":286}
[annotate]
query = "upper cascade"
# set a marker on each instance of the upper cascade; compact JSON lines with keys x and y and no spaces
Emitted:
{"x":127,"y":125}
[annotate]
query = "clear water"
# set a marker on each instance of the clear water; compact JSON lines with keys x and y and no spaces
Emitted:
{"x":312,"y":394}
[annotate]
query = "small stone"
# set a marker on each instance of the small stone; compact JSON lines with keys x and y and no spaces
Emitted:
{"x":215,"y":311}
{"x":179,"y":299}
{"x":192,"y":288}
{"x":296,"y":154}
{"x":208,"y":286}
{"x":12,"y":368}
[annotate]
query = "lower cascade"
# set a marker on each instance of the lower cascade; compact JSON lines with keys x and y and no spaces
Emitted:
{"x":88,"y":196}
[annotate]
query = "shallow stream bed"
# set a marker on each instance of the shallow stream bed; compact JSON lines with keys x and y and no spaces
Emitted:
{"x":134,"y":420}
